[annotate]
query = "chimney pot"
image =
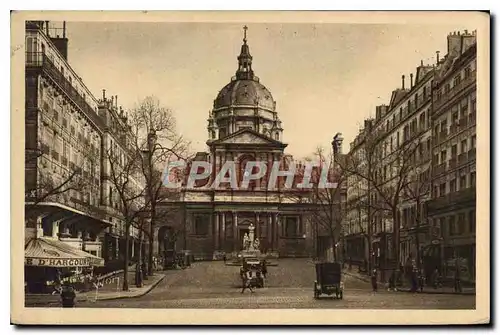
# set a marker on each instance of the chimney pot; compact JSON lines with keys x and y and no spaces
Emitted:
{"x":465,"y":31}
{"x":403,"y":81}
{"x":411,"y":80}
{"x":103,"y":94}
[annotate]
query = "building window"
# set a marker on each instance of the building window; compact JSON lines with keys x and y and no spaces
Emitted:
{"x":472,"y":222}
{"x":473,"y":179}
{"x":277,"y":136}
{"x":467,"y":71}
{"x":456,"y":80}
{"x":291,"y":226}
{"x":463,"y":145}
{"x":473,"y":142}
{"x":453,"y":185}
{"x":201,"y":224}
{"x":447,"y":88}
{"x":400,"y":113}
{"x":222,"y":132}
{"x":463,"y":182}
{"x":442,"y":189}
{"x":451,"y":225}
{"x":461,"y":224}
{"x":443,"y":156}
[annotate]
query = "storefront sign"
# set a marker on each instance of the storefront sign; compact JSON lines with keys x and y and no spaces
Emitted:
{"x":61,"y":262}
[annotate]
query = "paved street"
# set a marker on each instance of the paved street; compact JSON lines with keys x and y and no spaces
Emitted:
{"x":289,"y":285}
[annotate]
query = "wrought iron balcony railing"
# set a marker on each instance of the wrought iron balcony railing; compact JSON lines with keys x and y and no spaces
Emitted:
{"x":40,"y":60}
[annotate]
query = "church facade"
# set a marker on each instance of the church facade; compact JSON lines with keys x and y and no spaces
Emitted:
{"x":243,"y":126}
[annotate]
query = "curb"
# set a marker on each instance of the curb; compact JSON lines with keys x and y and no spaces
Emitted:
{"x":405,"y":290}
{"x":153,"y":285}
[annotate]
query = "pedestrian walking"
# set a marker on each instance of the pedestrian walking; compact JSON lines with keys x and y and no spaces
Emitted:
{"x":458,"y":283}
{"x":264,"y":268}
{"x":247,"y":281}
{"x":421,"y":280}
{"x":374,"y":280}
{"x":68,"y":295}
{"x":414,"y":281}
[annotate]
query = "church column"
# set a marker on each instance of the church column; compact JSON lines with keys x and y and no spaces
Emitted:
{"x":257,"y":225}
{"x":277,"y":230}
{"x":223,"y":224}
{"x":270,"y":231}
{"x":235,"y":231}
{"x":258,"y":181}
{"x":216,"y":231}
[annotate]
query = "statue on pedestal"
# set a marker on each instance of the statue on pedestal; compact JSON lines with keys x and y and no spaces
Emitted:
{"x":256,"y":244}
{"x":246,"y":241}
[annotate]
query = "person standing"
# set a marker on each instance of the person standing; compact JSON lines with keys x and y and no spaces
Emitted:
{"x":374,"y":280}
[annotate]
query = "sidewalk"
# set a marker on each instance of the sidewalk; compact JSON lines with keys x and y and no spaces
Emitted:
{"x":47,"y":300}
{"x":427,"y":289}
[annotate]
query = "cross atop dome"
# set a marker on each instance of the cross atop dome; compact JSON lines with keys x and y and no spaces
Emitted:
{"x":245,"y":60}
{"x":245,"y":28}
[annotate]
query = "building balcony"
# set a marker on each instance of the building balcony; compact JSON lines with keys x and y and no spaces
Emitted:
{"x":447,"y":96}
{"x":456,"y":200}
{"x":38,"y":60}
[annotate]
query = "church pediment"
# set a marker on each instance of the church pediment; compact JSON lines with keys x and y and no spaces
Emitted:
{"x":248,"y":136}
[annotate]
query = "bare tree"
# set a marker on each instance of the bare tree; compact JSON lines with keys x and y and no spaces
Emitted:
{"x":124,"y":174}
{"x":326,"y":206}
{"x":160,"y":144}
{"x":386,"y":172}
{"x":417,"y":192}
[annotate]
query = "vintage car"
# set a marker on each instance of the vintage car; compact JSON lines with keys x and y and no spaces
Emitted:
{"x":255,"y":268}
{"x":329,"y":280}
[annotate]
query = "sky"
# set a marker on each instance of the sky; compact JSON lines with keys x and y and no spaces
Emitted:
{"x":326,"y":78}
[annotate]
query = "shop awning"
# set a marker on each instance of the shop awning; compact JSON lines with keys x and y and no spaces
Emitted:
{"x":53,"y":253}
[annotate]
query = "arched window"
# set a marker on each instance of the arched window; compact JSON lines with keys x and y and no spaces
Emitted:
{"x":277,"y":136}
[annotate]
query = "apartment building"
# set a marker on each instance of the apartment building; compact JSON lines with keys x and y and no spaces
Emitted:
{"x":68,"y":135}
{"x":395,"y":147}
{"x":453,"y":206}
{"x":63,"y":145}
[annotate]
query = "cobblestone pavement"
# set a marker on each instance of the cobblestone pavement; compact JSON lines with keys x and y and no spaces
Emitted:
{"x":289,"y":285}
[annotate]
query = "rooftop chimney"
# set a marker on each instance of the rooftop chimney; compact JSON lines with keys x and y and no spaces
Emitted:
{"x":104,"y":95}
{"x":61,"y":43}
{"x":421,"y":62}
{"x":437,"y":57}
{"x":403,"y":81}
{"x":411,"y":80}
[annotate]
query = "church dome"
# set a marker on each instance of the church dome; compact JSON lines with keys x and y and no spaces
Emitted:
{"x":245,"y":88}
{"x":244,"y":92}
